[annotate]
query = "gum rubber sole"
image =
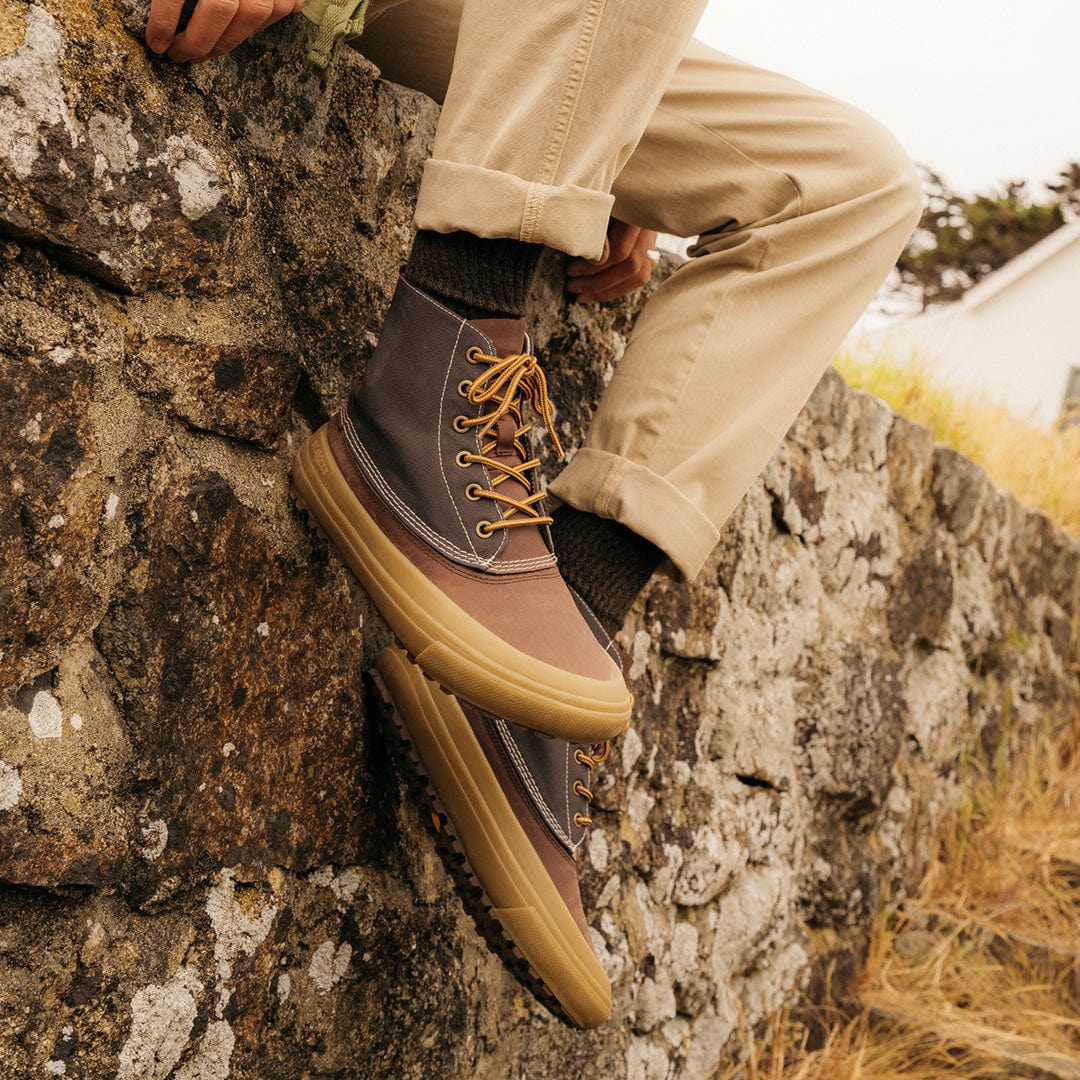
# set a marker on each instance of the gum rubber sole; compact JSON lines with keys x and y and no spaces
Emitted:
{"x":451,"y":646}
{"x":499,"y":876}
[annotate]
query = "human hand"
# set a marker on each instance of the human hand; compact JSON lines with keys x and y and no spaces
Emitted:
{"x":625,"y":265}
{"x":215,"y":28}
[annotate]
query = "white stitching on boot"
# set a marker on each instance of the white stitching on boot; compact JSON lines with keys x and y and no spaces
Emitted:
{"x":530,"y":783}
{"x":416,"y":524}
{"x":442,"y":464}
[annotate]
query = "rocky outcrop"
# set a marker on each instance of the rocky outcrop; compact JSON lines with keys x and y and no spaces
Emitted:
{"x":208,"y":867}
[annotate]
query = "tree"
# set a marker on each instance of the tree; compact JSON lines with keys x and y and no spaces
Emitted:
{"x":1067,"y":189}
{"x":961,"y":239}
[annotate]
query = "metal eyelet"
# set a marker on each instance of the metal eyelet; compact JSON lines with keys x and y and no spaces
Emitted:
{"x":459,"y":424}
{"x":461,"y":459}
{"x":471,"y":354}
{"x":581,"y":821}
{"x":464,"y":387}
{"x":579,"y":757}
{"x":484,"y":529}
{"x":472,"y":492}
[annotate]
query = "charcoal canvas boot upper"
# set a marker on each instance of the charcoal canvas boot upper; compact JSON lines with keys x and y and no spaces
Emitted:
{"x":438,"y":433}
{"x":425,"y":484}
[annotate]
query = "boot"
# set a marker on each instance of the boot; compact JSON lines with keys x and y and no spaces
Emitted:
{"x":509,"y":809}
{"x":426,"y":488}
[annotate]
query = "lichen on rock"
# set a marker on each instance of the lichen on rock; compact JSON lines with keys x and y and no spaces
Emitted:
{"x":208,"y":868}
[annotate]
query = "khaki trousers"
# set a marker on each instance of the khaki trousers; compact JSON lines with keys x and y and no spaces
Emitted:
{"x":559,"y":114}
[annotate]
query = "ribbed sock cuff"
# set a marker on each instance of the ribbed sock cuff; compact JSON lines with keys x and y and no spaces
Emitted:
{"x":607,"y":563}
{"x":475,"y":277}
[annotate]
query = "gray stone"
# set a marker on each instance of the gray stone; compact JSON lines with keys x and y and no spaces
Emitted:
{"x":208,"y":867}
{"x":115,"y":182}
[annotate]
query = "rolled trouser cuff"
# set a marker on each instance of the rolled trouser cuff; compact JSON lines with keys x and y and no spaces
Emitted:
{"x":494,"y":204}
{"x":615,"y":487}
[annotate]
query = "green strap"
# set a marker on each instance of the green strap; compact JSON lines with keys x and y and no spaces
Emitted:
{"x":343,"y":19}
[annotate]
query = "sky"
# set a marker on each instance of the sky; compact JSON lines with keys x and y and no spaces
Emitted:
{"x":980,"y":92}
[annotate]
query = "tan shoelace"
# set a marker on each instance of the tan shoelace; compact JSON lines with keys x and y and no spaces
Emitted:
{"x":503,"y":384}
{"x":598,"y":753}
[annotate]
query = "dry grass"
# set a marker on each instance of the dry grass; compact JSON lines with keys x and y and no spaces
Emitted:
{"x":977,"y":988}
{"x":1009,"y":857}
{"x":987,"y":952}
{"x":859,"y":1049}
{"x":1038,"y":465}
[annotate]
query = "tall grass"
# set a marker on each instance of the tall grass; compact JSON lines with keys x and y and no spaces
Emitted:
{"x":1009,"y":855}
{"x":983,"y":961}
{"x":861,"y":1048}
{"x":1038,"y":465}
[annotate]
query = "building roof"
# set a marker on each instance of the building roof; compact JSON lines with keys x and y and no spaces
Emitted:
{"x":1023,"y":264}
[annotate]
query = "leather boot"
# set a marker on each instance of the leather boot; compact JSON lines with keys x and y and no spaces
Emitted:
{"x":425,"y":485}
{"x":509,"y":809}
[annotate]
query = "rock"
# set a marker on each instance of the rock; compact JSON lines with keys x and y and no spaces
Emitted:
{"x":961,"y":490}
{"x":99,"y":173}
{"x":208,"y":867}
{"x":240,"y":390}
{"x":244,"y":741}
{"x":69,"y":823}
{"x":53,"y":497}
{"x":921,"y":598}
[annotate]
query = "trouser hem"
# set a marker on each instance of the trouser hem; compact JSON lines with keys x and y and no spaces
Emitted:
{"x":611,"y":486}
{"x":489,"y":203}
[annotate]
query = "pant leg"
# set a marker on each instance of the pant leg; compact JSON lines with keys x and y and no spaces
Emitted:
{"x":543,"y":104}
{"x":802,"y":204}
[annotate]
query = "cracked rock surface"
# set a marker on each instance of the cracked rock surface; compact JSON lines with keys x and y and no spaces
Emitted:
{"x":208,"y":866}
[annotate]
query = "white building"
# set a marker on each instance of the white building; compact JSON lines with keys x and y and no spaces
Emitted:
{"x":1014,"y":337}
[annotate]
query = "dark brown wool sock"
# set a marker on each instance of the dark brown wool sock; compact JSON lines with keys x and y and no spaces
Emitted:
{"x":476,"y":278}
{"x":607,"y":563}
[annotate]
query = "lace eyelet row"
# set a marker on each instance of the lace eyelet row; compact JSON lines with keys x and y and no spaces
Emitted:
{"x":598,"y":752}
{"x":472,"y":492}
{"x":508,"y":381}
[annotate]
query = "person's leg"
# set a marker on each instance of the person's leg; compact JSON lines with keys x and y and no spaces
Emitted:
{"x":417,"y":45}
{"x":542,"y":107}
{"x":802,"y":204}
{"x":424,"y":480}
{"x":476,"y":277}
{"x":699,"y":193}
{"x":529,"y":140}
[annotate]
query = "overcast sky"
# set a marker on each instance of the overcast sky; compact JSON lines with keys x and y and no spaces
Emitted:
{"x":982,"y":92}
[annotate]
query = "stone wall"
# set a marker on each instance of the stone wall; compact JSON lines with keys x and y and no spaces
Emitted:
{"x":208,"y":867}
